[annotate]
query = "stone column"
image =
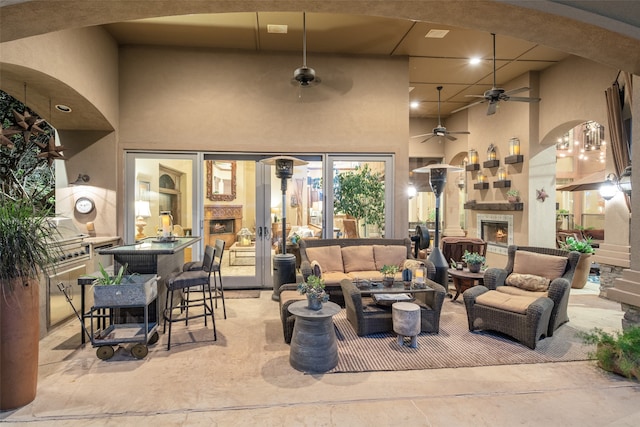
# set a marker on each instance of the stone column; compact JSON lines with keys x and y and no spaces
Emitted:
{"x":627,"y":288}
{"x":451,"y":210}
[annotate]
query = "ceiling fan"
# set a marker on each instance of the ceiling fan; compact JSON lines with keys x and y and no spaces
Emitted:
{"x":496,"y":94}
{"x":440,"y":130}
{"x":304,"y":76}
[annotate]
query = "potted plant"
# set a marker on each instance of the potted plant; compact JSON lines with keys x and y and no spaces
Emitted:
{"x":581,"y":273}
{"x":313,"y":288}
{"x":617,"y":352}
{"x":389,"y":272}
{"x":474,"y":261}
{"x":513,"y":196}
{"x":124,"y":290}
{"x":24,"y":254}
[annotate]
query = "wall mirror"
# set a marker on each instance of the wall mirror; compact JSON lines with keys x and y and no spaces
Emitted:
{"x":221,"y":180}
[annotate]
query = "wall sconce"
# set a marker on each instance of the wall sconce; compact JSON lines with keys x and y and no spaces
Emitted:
{"x":514,"y":146}
{"x":502,"y":174}
{"x":491,"y":152}
{"x":610,"y":187}
{"x":461,"y":182}
{"x":411,"y":191}
{"x":81,"y":180}
{"x":473,"y":157}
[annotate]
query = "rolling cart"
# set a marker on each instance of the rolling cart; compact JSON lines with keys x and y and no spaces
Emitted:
{"x":120,"y":326}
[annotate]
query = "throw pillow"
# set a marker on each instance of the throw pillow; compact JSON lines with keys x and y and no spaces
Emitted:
{"x":389,"y":255}
{"x":329,"y":257}
{"x":549,"y":266}
{"x":358,"y":258}
{"x":528,"y":282}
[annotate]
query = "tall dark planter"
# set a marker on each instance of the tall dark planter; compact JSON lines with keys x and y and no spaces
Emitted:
{"x":19,"y":340}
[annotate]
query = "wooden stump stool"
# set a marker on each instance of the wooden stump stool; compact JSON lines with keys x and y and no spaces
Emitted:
{"x":406,"y":322}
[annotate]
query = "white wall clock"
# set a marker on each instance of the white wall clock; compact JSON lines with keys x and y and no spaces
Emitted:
{"x":84,"y":205}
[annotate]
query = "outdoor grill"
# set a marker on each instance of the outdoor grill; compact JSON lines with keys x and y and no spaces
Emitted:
{"x":72,"y":256}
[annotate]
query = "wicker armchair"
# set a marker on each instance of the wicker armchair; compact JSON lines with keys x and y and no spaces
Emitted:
{"x":559,"y":288}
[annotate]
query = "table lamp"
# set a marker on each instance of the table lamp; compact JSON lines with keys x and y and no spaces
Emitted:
{"x":143,"y":211}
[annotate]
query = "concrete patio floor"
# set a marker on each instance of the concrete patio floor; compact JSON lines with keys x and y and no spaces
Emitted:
{"x":244,"y":379}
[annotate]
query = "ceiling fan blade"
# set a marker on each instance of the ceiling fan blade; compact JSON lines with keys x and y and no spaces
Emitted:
{"x":474,"y":96}
{"x":492,"y":108}
{"x":514,"y":91}
{"x":469,"y":106}
{"x":462,"y":132}
{"x":522,"y":99}
{"x":424,"y":134}
{"x":450,"y":138}
{"x":427,"y":138}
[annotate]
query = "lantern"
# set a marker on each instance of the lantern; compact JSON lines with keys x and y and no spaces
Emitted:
{"x":502,"y":174}
{"x":473,"y":157}
{"x":514,"y":146}
{"x":166,"y":220}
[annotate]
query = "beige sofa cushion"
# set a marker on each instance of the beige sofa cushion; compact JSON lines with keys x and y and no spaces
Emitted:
{"x":389,"y":255}
{"x":358,"y":258}
{"x":549,"y":266}
{"x":528,"y":282}
{"x":334,"y":278}
{"x":329,"y":258}
{"x":502,"y":301}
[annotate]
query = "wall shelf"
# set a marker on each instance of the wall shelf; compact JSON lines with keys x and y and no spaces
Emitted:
{"x":481,"y":186}
{"x":505,"y":183}
{"x":512,"y":160}
{"x":494,"y":206}
{"x":491,"y":163}
{"x":472,"y":167}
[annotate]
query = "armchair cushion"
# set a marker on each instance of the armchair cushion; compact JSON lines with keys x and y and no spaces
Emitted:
{"x":358,"y":258}
{"x":389,"y":255}
{"x":506,"y":302}
{"x":329,"y":258}
{"x":528,"y":282}
{"x":549,"y":266}
{"x":512,"y":290}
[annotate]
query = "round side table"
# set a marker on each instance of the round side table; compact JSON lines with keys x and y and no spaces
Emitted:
{"x":313,"y":345}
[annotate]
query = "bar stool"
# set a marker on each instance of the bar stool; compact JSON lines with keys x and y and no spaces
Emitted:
{"x":218,"y":290}
{"x":183,"y":282}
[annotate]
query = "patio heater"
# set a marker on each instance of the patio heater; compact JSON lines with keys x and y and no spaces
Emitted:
{"x":284,"y":264}
{"x":437,"y":179}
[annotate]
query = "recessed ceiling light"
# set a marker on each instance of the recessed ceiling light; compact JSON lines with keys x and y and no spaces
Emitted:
{"x":63,"y":108}
{"x":414,"y":104}
{"x":436,"y":34}
{"x":277,"y":29}
{"x":474,"y":61}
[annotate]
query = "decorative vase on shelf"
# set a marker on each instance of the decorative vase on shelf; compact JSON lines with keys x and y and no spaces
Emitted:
{"x":314,"y":302}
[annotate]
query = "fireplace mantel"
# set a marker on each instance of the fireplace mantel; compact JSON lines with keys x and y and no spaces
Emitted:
{"x":494,"y":206}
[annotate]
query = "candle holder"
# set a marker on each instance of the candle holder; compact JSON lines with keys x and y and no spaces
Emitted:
{"x":166,"y":223}
{"x":514,"y":147}
{"x":502,"y":174}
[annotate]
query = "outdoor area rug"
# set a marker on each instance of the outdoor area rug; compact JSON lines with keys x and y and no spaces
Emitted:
{"x":453,"y":347}
{"x":242,"y":293}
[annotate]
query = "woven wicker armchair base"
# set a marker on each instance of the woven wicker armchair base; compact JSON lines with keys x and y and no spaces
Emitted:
{"x":526,"y":326}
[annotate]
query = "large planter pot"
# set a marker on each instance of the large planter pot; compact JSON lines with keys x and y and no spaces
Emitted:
{"x":19,"y":341}
{"x":581,"y":274}
{"x":134,"y":291}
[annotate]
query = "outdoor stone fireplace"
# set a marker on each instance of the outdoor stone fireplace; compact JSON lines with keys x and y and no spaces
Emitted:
{"x":497,"y":231}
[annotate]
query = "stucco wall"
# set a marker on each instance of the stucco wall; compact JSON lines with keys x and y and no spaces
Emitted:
{"x":190,"y":99}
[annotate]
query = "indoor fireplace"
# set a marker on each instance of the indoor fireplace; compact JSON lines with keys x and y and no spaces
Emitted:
{"x":497,"y":231}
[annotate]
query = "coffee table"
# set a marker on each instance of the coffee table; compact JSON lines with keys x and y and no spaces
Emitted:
{"x":464,"y":279}
{"x":242,"y":252}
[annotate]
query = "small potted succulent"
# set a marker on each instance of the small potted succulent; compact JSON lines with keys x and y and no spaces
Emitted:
{"x":513,"y":196}
{"x":389,"y":272}
{"x":474,"y":261}
{"x":313,"y":288}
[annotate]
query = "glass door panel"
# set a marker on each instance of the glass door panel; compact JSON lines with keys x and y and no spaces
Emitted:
{"x":157,"y":182}
{"x":362,"y":195}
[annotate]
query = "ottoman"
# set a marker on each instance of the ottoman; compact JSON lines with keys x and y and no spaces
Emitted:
{"x":406,"y":322}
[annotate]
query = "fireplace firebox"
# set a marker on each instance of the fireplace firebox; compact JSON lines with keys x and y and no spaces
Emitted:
{"x":497,"y":231}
